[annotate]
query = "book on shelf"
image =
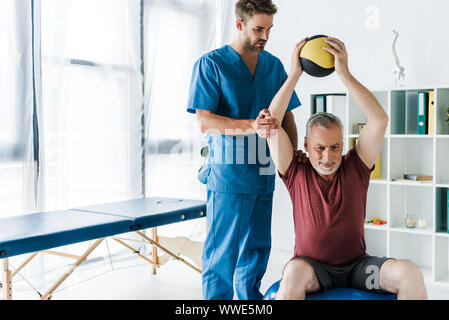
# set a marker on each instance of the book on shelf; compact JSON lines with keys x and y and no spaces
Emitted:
{"x":447,"y":210}
{"x":320,"y":104}
{"x":431,"y":115}
{"x":423,"y":98}
{"x":331,"y":103}
{"x":336,"y":104}
{"x":417,"y":177}
{"x":376,"y":173}
{"x":359,"y":127}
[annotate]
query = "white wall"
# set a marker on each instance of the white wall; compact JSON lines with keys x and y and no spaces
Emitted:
{"x":366,"y":28}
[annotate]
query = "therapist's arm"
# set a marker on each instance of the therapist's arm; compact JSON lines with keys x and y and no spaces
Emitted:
{"x":213,"y":123}
{"x":281,"y":148}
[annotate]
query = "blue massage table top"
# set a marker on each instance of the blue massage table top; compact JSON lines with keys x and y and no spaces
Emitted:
{"x":152,"y":212}
{"x":44,"y":230}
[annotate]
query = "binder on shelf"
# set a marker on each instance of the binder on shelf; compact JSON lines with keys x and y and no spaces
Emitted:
{"x":320,"y":104}
{"x":360,"y":127}
{"x":423,"y":97}
{"x":447,"y":210}
{"x":329,"y":104}
{"x":431,"y":114}
{"x":375,"y":174}
{"x":398,"y":112}
{"x":336,"y":104}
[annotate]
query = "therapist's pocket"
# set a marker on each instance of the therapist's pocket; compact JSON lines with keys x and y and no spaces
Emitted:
{"x":204,"y":172}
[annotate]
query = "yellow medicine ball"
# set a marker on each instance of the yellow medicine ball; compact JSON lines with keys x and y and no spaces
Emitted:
{"x":314,"y":59}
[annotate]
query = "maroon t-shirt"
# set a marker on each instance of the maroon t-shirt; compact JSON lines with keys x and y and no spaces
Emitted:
{"x":329,"y":216}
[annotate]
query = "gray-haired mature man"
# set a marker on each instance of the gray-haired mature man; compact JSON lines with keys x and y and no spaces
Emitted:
{"x":329,"y":196}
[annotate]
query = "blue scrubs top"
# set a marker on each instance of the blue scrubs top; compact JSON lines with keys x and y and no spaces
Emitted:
{"x":222,"y":83}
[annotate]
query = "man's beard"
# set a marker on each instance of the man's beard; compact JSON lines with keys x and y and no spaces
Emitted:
{"x":254,"y":46}
{"x":326,"y":172}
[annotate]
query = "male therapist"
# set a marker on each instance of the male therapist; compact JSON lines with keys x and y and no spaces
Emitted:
{"x":229,"y":87}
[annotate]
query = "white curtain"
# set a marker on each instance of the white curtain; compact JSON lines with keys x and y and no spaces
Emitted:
{"x":93,"y":98}
{"x":17,"y":165}
{"x":74,"y":135}
{"x":176,"y":33}
{"x":91,"y":101}
{"x":226,"y":28}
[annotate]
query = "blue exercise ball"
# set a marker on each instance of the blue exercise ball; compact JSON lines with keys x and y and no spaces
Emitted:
{"x":336,"y":294}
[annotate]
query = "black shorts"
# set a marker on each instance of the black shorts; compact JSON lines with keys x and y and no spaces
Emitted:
{"x":362,"y":274}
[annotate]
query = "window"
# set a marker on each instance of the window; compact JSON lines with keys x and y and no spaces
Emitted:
{"x":176,"y":34}
{"x":91,"y":103}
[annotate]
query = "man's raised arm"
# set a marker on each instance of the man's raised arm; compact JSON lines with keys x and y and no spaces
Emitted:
{"x":281,"y":149}
{"x":372,"y":136}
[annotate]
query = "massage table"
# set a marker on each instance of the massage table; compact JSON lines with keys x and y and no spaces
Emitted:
{"x":39,"y":232}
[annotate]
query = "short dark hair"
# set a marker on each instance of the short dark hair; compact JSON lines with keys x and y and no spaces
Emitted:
{"x":245,"y":9}
{"x":323,"y":120}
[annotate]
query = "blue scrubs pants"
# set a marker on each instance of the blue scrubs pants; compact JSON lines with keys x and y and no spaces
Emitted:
{"x":237,"y":246}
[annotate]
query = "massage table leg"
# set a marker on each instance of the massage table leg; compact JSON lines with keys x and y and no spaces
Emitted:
{"x":154,"y":248}
{"x":6,"y":280}
{"x":81,"y":259}
{"x":25,"y":263}
{"x":134,"y":250}
{"x":7,"y":275}
{"x":154,"y":243}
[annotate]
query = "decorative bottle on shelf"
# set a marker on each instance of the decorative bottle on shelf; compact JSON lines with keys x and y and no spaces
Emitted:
{"x":410,"y":220}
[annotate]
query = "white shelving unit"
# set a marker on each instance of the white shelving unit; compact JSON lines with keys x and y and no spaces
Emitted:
{"x":405,"y":151}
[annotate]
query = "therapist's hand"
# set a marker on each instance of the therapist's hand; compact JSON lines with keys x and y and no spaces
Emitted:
{"x":301,"y":156}
{"x":265,"y":125}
